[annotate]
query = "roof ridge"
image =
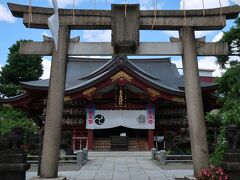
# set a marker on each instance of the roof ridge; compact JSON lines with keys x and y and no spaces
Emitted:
{"x":101,"y":69}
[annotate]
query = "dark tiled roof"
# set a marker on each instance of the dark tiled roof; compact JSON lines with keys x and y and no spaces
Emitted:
{"x":161,"y":73}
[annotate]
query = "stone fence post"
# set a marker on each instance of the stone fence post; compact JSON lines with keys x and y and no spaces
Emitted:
{"x":153,"y":151}
{"x":163,"y":157}
{"x":85,"y":152}
{"x":80,"y":158}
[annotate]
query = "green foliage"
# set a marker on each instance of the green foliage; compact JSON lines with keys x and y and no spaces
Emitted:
{"x":11,"y":118}
{"x":219,"y":150}
{"x":21,"y":67}
{"x":9,"y":90}
{"x":232,"y":37}
{"x":229,"y":91}
{"x":229,"y":88}
{"x":229,"y":83}
{"x":214,"y":118}
{"x":231,"y":112}
{"x":18,"y":68}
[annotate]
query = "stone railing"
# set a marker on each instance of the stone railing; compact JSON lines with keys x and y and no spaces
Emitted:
{"x":80,"y":158}
{"x":163,"y":158}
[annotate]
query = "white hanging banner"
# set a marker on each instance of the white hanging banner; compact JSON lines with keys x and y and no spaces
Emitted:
{"x":53,"y":23}
{"x":135,"y":119}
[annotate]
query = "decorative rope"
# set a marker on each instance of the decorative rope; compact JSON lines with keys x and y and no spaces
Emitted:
{"x":221,"y":16}
{"x":184,"y":13}
{"x":30,"y":13}
{"x":73,"y":12}
{"x":155,"y":13}
{"x":203,"y":7}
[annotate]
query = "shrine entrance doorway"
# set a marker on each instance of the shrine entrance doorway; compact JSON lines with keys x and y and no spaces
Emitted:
{"x":120,"y":138}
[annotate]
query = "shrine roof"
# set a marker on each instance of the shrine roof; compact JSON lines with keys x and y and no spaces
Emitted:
{"x":85,"y":72}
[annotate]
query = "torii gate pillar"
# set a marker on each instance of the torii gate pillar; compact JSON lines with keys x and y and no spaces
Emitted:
{"x":53,"y":123}
{"x":194,"y":102}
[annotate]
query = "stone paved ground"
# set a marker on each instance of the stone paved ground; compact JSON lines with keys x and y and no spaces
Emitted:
{"x":122,"y":168}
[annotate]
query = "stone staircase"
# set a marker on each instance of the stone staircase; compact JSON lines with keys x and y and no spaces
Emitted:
{"x":142,"y":144}
{"x":132,"y":144}
{"x":104,"y":144}
{"x":125,"y":154}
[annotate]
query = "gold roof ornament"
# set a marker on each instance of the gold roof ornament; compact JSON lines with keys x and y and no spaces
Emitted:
{"x":153,"y":92}
{"x":89,"y":91}
{"x":121,"y":75}
{"x":67,"y":98}
{"x":178,"y":99}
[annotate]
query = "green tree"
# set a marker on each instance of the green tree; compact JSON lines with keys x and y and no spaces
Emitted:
{"x":229,"y":91}
{"x":18,"y":68}
{"x":21,"y":67}
{"x":9,"y":90}
{"x":232,"y":37}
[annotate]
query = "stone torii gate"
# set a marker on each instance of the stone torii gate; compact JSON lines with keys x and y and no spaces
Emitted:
{"x":125,"y":41}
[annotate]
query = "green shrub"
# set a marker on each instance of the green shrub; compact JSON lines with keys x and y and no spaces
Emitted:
{"x":12,"y":118}
{"x":217,"y":156}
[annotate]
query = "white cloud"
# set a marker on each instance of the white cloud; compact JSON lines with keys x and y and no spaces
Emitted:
{"x":217,"y":37}
{"x":64,"y":3}
{"x":5,"y":14}
{"x":46,"y":69}
{"x":46,"y":33}
{"x":197,"y":4}
{"x":172,"y":33}
{"x":199,"y":34}
{"x":236,"y":2}
{"x":205,"y":63}
{"x":1,"y":67}
{"x":148,"y":4}
{"x":210,"y":63}
{"x":100,"y":57}
{"x":97,"y":35}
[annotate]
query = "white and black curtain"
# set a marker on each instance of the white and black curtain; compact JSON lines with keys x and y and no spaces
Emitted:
{"x":135,"y":119}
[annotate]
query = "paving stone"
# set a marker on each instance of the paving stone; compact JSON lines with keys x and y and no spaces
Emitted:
{"x":121,"y":168}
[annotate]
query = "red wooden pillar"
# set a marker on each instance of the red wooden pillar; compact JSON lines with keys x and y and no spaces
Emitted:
{"x":90,"y":139}
{"x":150,"y":139}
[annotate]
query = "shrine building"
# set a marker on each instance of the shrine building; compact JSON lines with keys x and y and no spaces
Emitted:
{"x":117,"y":101}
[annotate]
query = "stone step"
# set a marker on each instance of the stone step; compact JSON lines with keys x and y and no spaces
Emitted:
{"x":134,"y":154}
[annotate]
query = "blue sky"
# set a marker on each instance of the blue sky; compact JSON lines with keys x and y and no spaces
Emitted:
{"x":12,"y":29}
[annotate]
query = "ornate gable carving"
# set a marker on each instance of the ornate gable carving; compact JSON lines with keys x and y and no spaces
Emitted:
{"x":67,"y":98}
{"x":153,"y":92}
{"x":89,"y":91}
{"x":178,"y":99}
{"x":121,"y":76}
